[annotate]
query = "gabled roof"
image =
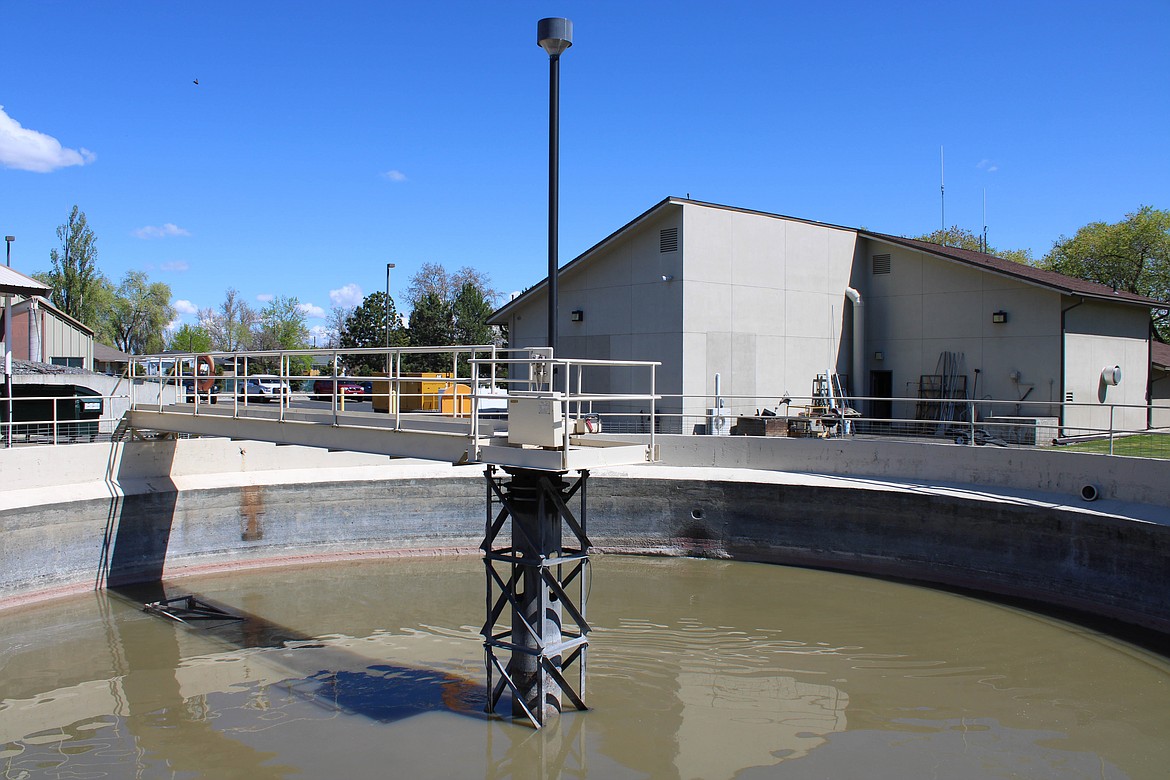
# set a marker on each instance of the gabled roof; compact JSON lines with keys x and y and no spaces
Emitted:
{"x":45,"y":304}
{"x":1038,"y":276}
{"x":104,"y":353}
{"x":16,"y":283}
{"x":1160,"y":355}
{"x":1051,"y":279}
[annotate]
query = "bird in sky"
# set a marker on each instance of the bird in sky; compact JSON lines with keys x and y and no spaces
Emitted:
{"x":196,"y":82}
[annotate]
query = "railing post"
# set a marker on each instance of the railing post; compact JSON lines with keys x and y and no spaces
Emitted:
{"x":971,"y":412}
{"x":1111,"y":408}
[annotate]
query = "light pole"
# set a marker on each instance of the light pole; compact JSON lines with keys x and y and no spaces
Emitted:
{"x":8,"y":348}
{"x":388,"y":267}
{"x":554,"y":35}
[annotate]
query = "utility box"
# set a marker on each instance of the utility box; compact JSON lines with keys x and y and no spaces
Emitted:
{"x":416,"y":392}
{"x":455,"y":400}
{"x":535,"y":421}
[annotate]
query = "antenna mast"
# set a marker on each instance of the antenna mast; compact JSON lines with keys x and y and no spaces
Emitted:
{"x":942,"y":189}
{"x":984,"y":220}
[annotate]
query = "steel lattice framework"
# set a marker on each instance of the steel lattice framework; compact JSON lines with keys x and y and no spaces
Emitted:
{"x":531,"y":577}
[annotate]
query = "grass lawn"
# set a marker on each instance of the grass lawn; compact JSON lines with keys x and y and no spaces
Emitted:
{"x":1146,"y":445}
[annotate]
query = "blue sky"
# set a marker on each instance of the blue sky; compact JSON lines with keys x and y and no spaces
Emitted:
{"x":324,"y":140}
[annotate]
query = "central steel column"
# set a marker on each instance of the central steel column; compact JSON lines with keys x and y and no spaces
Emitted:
{"x":536,"y":539}
{"x":532,"y":576}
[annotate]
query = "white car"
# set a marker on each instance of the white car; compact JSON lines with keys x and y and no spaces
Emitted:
{"x":273,"y":383}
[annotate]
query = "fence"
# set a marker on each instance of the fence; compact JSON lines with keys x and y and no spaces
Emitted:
{"x":476,"y":382}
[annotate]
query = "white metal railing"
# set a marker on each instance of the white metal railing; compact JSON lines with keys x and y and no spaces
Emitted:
{"x":474,"y":385}
{"x":1004,"y":422}
{"x":58,"y":419}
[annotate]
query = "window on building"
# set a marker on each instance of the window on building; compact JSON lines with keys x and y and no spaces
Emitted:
{"x":71,"y":362}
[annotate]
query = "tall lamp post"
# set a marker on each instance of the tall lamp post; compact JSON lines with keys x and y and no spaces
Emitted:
{"x":388,"y":267}
{"x":8,"y":348}
{"x":554,"y":35}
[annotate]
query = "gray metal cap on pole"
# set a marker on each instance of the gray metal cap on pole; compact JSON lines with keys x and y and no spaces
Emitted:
{"x":554,"y":35}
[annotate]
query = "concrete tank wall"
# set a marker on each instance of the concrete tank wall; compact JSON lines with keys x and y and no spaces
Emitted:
{"x":139,"y":511}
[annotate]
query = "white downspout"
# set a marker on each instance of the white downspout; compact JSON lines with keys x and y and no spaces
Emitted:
{"x":858,"y":340}
{"x":34,"y":331}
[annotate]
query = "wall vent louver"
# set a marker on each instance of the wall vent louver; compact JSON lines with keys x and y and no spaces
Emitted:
{"x":881,"y":264}
{"x":668,"y":240}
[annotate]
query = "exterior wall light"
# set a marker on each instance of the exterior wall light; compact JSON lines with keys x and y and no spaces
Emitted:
{"x":667,"y":278}
{"x":879,"y":356}
{"x":999,"y":317}
{"x":577,"y":315}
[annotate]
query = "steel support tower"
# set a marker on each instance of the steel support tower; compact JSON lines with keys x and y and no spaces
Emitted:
{"x":530,"y":571}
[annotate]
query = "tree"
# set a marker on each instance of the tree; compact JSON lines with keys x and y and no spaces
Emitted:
{"x":433,"y":278}
{"x":1131,"y":255}
{"x":282,"y":326}
{"x":231,"y":326}
{"x":961,"y":238}
{"x":75,"y":276}
{"x":449,"y":309}
{"x":431,"y":325}
{"x":366,"y":327}
{"x":469,"y":314}
{"x":140,"y":312}
{"x":190,"y":338}
{"x":335,"y":325}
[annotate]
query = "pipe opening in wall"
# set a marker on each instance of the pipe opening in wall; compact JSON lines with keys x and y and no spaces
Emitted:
{"x":1089,"y":493}
{"x":696,"y":514}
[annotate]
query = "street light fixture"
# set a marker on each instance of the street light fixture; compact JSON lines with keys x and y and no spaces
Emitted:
{"x":7,"y":357}
{"x":554,"y":35}
{"x":388,"y":267}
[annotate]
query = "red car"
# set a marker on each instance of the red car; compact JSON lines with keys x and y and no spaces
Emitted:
{"x":351,"y":389}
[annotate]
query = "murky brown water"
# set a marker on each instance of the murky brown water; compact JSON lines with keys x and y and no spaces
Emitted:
{"x":697,"y":669}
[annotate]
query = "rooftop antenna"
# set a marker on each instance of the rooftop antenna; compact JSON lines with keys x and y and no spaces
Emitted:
{"x":942,"y":190}
{"x":983,"y":243}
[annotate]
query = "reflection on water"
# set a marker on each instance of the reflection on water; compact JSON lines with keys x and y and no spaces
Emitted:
{"x":697,"y":669}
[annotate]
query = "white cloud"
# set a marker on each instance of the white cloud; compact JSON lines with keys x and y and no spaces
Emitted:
{"x":265,"y":297}
{"x":348,"y":296}
{"x":174,"y":265}
{"x":988,"y":165}
{"x":394,"y":175}
{"x":311,"y":310}
{"x":28,"y":150}
{"x":186,"y":307}
{"x":174,"y":324}
{"x":160,"y":231}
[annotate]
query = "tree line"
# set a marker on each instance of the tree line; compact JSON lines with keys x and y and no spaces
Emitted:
{"x":445,"y":309}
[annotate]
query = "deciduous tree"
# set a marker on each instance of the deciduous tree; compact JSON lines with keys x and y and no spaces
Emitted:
{"x":231,"y":325}
{"x":1131,"y":255}
{"x":75,"y":278}
{"x":961,"y":238}
{"x":140,"y":312}
{"x":189,"y":338}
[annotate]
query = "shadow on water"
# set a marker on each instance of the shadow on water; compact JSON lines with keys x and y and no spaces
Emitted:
{"x":133,"y":556}
{"x":330,"y":676}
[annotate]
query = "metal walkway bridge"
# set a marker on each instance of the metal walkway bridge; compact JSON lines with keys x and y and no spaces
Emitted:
{"x":514,"y":408}
{"x":533,"y":420}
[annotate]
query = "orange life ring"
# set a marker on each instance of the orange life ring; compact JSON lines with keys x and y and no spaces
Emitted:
{"x":205,"y":368}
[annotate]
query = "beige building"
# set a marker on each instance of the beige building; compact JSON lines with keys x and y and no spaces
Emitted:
{"x":767,"y":302}
{"x":43,"y":333}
